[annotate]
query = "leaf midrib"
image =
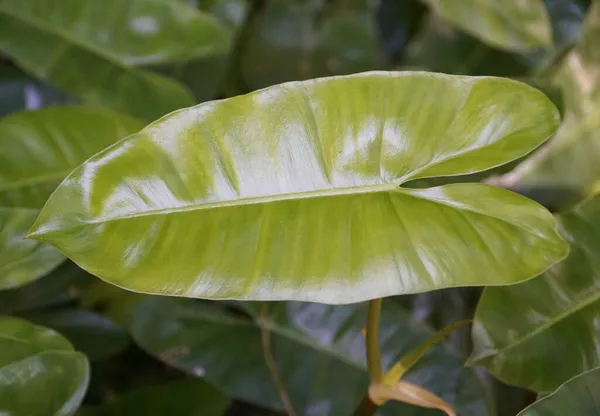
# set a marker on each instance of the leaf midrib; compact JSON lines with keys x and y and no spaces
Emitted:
{"x":356,"y":190}
{"x":390,"y":187}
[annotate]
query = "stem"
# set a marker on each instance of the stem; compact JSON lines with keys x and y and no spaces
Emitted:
{"x":366,"y":407}
{"x":265,"y":336}
{"x":373,"y":353}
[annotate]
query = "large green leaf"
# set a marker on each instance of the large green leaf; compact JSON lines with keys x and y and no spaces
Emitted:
{"x":569,"y":161}
{"x":578,"y":396}
{"x":93,"y":334}
{"x":40,"y":373}
{"x":318,"y":351}
{"x":542,"y":332}
{"x":293,"y":192}
{"x":37,"y":151}
{"x":510,"y":24}
{"x":181,"y":398}
{"x":92,"y":48}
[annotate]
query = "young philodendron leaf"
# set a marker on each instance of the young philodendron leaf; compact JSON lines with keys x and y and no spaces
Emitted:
{"x":393,"y":388}
{"x":578,"y":396}
{"x":408,"y":393}
{"x":38,"y":149}
{"x":519,"y":329}
{"x":40,"y":373}
{"x":293,"y":192}
{"x":94,"y":49}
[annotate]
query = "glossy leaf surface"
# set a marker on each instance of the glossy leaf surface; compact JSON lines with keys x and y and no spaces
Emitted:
{"x":293,"y":192}
{"x":40,"y":373}
{"x":91,"y":333}
{"x":540,"y":333}
{"x":317,"y":349}
{"x":578,"y":396}
{"x":511,"y":24}
{"x":37,"y":151}
{"x":180,"y":398}
{"x":92,"y":48}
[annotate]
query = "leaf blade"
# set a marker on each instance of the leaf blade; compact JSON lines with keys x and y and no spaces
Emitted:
{"x":258,"y":168}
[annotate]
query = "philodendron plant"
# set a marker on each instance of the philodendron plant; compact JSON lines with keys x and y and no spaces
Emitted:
{"x":301,"y":191}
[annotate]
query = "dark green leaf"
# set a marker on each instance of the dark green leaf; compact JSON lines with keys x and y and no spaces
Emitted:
{"x":62,"y":285}
{"x":578,"y":396}
{"x":566,"y":18}
{"x":95,"y":335}
{"x":40,"y":373}
{"x":92,"y":48}
{"x":19,"y":92}
{"x":204,"y":76}
{"x":317,"y":349}
{"x":439,"y":47}
{"x":209,"y":201}
{"x":178,"y":398}
{"x":37,"y":151}
{"x":542,"y":332}
{"x":114,"y":302}
{"x":291,"y":40}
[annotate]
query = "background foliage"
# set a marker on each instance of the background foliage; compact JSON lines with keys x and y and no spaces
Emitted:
{"x":78,"y":75}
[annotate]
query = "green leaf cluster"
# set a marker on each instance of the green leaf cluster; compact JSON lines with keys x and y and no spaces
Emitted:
{"x":204,"y":202}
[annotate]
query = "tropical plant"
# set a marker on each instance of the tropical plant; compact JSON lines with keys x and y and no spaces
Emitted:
{"x":328,"y":195}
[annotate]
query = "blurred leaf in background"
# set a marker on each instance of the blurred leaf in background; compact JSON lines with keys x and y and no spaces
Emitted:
{"x":40,"y":372}
{"x":95,"y":49}
{"x":317,"y":348}
{"x":182,"y":398}
{"x":512,"y":25}
{"x":578,"y":396}
{"x":521,"y":331}
{"x":37,"y":151}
